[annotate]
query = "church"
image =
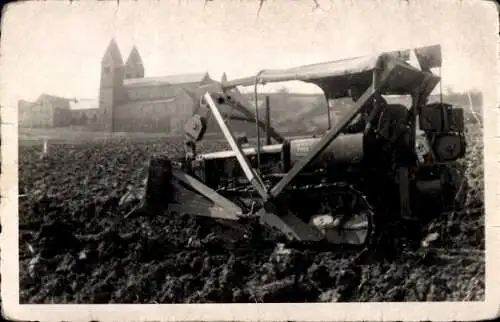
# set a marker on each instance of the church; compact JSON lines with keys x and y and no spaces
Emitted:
{"x":131,"y":102}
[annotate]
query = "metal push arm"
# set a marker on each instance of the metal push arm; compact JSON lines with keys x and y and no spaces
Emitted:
{"x":330,"y":135}
{"x":252,"y":177}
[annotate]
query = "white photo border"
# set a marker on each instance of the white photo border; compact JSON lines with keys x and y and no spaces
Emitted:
{"x":439,"y":311}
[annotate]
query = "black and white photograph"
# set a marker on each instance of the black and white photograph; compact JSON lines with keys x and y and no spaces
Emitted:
{"x":249,"y":160}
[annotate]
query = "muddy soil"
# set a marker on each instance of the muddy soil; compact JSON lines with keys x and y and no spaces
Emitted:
{"x":75,"y":246}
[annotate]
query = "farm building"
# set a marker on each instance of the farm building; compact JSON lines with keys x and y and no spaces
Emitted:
{"x":45,"y":112}
{"x":49,"y":111}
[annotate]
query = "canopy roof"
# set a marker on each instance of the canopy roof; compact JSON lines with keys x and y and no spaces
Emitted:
{"x":336,"y":77}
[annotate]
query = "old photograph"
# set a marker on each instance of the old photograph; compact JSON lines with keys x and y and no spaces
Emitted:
{"x":252,"y":152}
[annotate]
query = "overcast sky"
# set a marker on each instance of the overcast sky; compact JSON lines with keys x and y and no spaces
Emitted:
{"x":55,"y":47}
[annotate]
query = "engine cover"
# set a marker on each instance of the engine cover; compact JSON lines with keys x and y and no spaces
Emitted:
{"x":347,"y":148}
{"x":441,"y":118}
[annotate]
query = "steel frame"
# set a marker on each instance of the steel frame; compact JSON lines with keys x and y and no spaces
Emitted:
{"x":253,"y":177}
{"x":250,"y":173}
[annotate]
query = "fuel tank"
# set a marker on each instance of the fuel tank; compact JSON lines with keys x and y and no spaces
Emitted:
{"x":345,"y":149}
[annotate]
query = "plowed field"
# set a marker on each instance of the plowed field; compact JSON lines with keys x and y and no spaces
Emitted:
{"x":71,"y":250}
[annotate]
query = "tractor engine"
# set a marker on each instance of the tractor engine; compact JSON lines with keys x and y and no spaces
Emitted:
{"x":220,"y":168}
{"x":442,"y":144}
{"x":346,"y":149}
{"x":443,"y":125}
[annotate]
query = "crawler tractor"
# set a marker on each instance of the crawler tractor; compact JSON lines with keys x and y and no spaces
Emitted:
{"x":339,"y":188}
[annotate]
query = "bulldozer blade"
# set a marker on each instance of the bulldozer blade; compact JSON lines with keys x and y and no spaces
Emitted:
{"x":186,"y":200}
{"x":187,"y":187}
{"x":170,"y":190}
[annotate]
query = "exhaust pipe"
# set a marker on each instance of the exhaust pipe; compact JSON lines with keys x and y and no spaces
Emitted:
{"x":268,"y":121}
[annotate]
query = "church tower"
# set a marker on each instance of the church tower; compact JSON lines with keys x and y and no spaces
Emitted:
{"x":134,"y":67}
{"x":111,"y":86}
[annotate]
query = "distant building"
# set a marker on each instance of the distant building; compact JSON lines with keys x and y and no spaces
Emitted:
{"x":49,"y":111}
{"x":85,"y":112}
{"x":45,"y":112}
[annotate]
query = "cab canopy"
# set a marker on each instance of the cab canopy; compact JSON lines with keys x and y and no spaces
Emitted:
{"x":336,"y":77}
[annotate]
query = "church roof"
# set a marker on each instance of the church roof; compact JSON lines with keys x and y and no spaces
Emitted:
{"x":114,"y":52}
{"x":167,"y":80}
{"x":135,"y":104}
{"x":170,"y":99}
{"x":183,"y":94}
{"x":134,"y":57}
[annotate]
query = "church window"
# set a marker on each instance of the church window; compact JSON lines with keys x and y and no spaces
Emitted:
{"x":106,"y":70}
